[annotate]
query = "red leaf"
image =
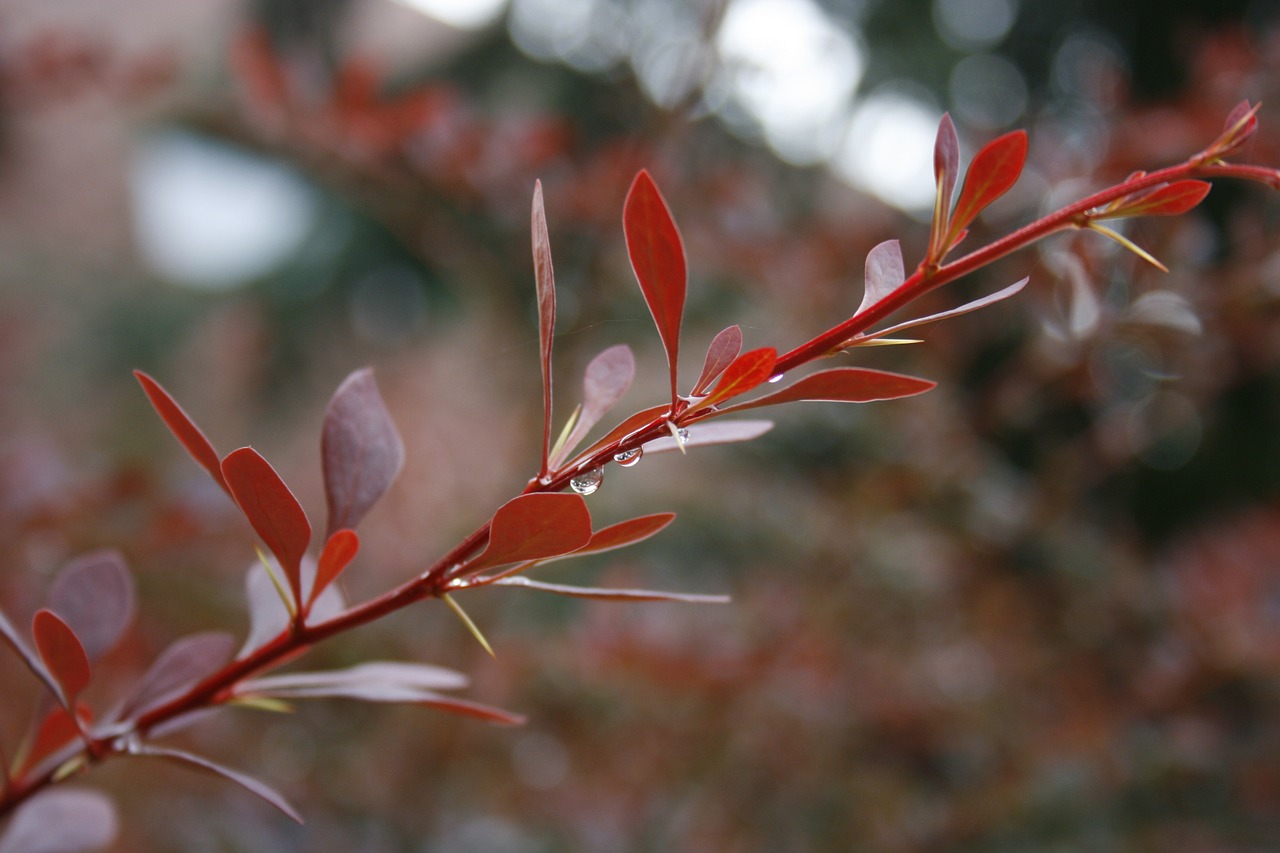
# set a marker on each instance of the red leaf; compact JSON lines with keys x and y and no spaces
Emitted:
{"x":186,"y":661}
{"x":981,"y":302}
{"x":606,"y":379}
{"x":749,"y":370}
{"x":65,"y":820}
{"x":56,"y":730}
{"x":602,"y":594}
{"x":254,"y":786}
{"x":94,"y":596}
{"x":361,"y":450}
{"x":724,"y":348}
{"x":533,"y":527}
{"x":272,"y":509}
{"x":1170,"y":200}
{"x":630,"y":425}
{"x":475,"y":710}
{"x":885,"y":273}
{"x":11,"y":636}
{"x":544,"y":278}
{"x":626,"y":533}
{"x":993,"y":171}
{"x":721,"y":432}
{"x":657,"y":257}
{"x":1241,"y":124}
{"x":842,"y":385}
{"x":62,"y":653}
{"x":183,"y":428}
{"x":337,"y":554}
{"x":946,"y":168}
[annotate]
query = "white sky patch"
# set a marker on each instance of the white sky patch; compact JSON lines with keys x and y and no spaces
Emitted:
{"x":463,"y":14}
{"x":888,"y":150}
{"x":210,"y":216}
{"x":792,"y":70}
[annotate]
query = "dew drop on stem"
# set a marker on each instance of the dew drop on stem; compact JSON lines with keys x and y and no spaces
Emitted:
{"x":587,"y":481}
{"x":628,"y":458}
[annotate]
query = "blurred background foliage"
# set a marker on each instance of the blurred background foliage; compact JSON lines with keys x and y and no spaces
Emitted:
{"x":1035,"y":609}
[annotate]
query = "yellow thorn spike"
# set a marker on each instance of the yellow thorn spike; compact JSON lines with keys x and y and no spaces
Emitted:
{"x":1129,"y":244}
{"x":277,"y":583}
{"x":471,"y":626}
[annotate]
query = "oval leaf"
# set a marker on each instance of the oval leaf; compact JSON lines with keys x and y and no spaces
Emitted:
{"x":748,"y":371}
{"x":94,"y":596}
{"x":186,"y":661}
{"x":993,"y":171}
{"x":62,"y":653}
{"x":360,"y":448}
{"x":602,"y":594}
{"x":658,"y":259}
{"x":183,"y":428}
{"x":724,"y":348}
{"x":1170,"y":200}
{"x":534,"y":527}
{"x":66,"y":820}
{"x":606,"y":379}
{"x":15,"y":641}
{"x":271,"y":508}
{"x":545,"y":281}
{"x":842,"y":385}
{"x":337,"y":554}
{"x":885,"y":273}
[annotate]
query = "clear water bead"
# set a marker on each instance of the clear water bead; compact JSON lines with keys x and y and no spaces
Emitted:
{"x":682,"y":435}
{"x":586,"y":482}
{"x":628,"y":458}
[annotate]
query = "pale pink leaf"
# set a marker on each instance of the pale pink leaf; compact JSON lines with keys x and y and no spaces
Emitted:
{"x":179,"y":667}
{"x":720,"y":432}
{"x":603,"y":594}
{"x":63,"y":820}
{"x":885,"y":273}
{"x":983,"y":302}
{"x":254,"y":786}
{"x":606,"y":379}
{"x":94,"y":596}
{"x":544,"y":279}
{"x":724,"y":348}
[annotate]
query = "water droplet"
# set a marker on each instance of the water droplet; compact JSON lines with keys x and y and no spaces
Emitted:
{"x":129,"y":743}
{"x":628,"y":458}
{"x":775,"y":378}
{"x":586,"y":482}
{"x":682,"y":435}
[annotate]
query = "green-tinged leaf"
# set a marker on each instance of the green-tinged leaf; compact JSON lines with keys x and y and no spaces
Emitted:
{"x":272,"y":510}
{"x":946,"y":170}
{"x":724,"y":348}
{"x":544,"y":279}
{"x":602,"y":594}
{"x":183,"y":428}
{"x":842,"y":385}
{"x":470,"y":625}
{"x":747,"y":372}
{"x":63,"y":655}
{"x":993,"y":171}
{"x":254,"y":786}
{"x":533,"y":527}
{"x":658,"y":259}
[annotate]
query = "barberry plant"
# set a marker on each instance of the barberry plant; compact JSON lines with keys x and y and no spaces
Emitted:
{"x":294,"y":599}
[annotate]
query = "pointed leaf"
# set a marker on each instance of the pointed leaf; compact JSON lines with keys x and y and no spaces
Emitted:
{"x":842,"y":385}
{"x":724,"y":348}
{"x":990,"y":299}
{"x":626,"y":533}
{"x":601,"y":594}
{"x":56,"y":730}
{"x":720,"y":432}
{"x":1241,"y":124}
{"x":606,"y":379}
{"x":65,"y":820}
{"x":630,"y":425}
{"x":268,"y":615}
{"x":180,"y":666}
{"x":94,"y":595}
{"x":658,"y":259}
{"x":418,"y":676}
{"x":183,"y":428}
{"x":1170,"y":200}
{"x":336,"y":556}
{"x":747,"y":372}
{"x":62,"y":654}
{"x":993,"y":171}
{"x":544,"y":278}
{"x":885,"y":273}
{"x":533,"y":527}
{"x":946,"y":169}
{"x":361,"y":450}
{"x":272,"y":509}
{"x":254,"y":786}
